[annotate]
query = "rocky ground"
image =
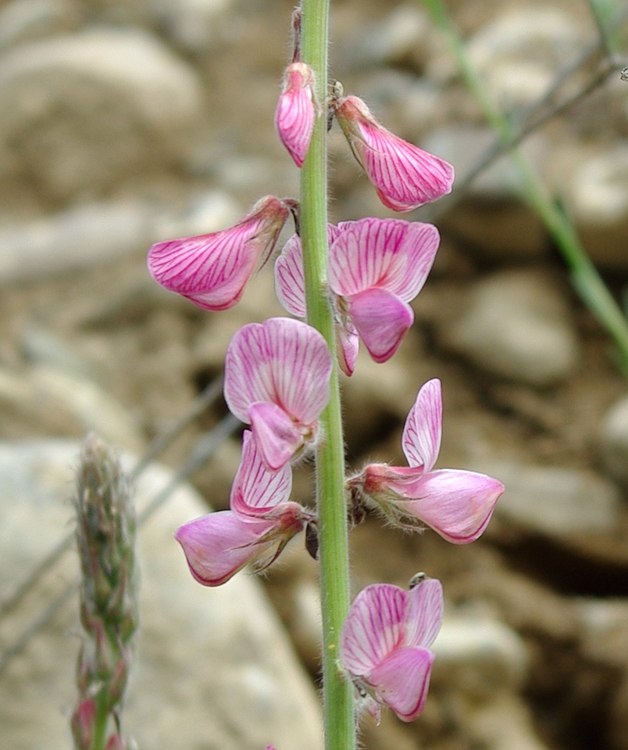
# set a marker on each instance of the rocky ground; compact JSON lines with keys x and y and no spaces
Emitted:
{"x":124,"y":123}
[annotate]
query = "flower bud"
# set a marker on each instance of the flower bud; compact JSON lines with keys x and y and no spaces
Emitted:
{"x":296,"y":111}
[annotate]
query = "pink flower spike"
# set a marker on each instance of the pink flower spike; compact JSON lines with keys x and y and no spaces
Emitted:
{"x":296,"y":111}
{"x":457,"y":504}
{"x":212,"y":269}
{"x":277,"y":380}
{"x":385,"y":644}
{"x":404,"y":175}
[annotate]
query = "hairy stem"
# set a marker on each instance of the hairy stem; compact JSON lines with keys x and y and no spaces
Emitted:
{"x":333,"y":539}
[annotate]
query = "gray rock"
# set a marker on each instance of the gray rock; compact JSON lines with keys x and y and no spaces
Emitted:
{"x":614,"y":441}
{"x":213,"y":669}
{"x":82,"y":112}
{"x":557,"y":502}
{"x":518,"y":53}
{"x":516,"y":325}
{"x":26,"y":20}
{"x":596,"y":195}
{"x":82,"y":237}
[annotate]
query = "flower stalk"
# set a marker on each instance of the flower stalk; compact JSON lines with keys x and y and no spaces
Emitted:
{"x":105,"y":536}
{"x":338,"y":709}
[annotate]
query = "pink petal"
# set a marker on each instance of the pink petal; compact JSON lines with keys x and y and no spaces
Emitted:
{"x":295,"y":114}
{"x":404,"y":175}
{"x":388,"y":253}
{"x":348,"y":343}
{"x":281,"y":361}
{"x":381,"y":319}
{"x":256,"y":491}
{"x":385,"y":480}
{"x":289,"y":279}
{"x":275,"y":434}
{"x":422,"y":431}
{"x":373,"y":628}
{"x":457,"y":504}
{"x":212,"y":269}
{"x":220,"y":544}
{"x":402,"y":681}
{"x":424,"y":613}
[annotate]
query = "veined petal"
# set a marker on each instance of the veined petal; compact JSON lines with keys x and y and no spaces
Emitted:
{"x":296,"y":112}
{"x":275,"y":435}
{"x":402,"y":681}
{"x":391,"y":254}
{"x":212,"y":269}
{"x":404,"y":175}
{"x":289,"y":279}
{"x":256,"y":491}
{"x":396,"y":482}
{"x":281,"y":361}
{"x":348,"y":346}
{"x":220,"y":544}
{"x":381,"y":319}
{"x":424,"y":613}
{"x":423,"y":428}
{"x":457,"y":504}
{"x":373,"y":628}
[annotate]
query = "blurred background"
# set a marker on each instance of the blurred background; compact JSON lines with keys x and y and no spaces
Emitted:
{"x":125,"y":123}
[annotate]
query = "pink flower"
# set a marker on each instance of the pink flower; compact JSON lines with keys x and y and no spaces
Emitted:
{"x":296,"y":111}
{"x":277,"y":380}
{"x":404,"y":175}
{"x":376,"y":267}
{"x":212,"y":269}
{"x":385,"y":645}
{"x":259,"y":525}
{"x":457,"y":504}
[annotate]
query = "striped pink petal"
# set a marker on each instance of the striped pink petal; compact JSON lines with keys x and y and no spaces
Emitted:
{"x":283,"y":362}
{"x":424,"y":613}
{"x":404,"y":175}
{"x":422,"y":431}
{"x":402,"y":681}
{"x":289,"y":278}
{"x":218,"y":545}
{"x":296,"y":112}
{"x":212,"y":269}
{"x":276,"y":435}
{"x":457,"y":504}
{"x":256,"y":491}
{"x":387,"y":253}
{"x":373,"y":628}
{"x":381,"y":319}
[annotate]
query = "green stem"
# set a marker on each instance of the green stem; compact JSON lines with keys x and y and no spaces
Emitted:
{"x":101,"y":721}
{"x":338,"y":709}
{"x":585,"y":277}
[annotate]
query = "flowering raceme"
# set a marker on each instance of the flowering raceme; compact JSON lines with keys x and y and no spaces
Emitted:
{"x":376,"y":267}
{"x":260,"y":523}
{"x":457,"y":504}
{"x":296,"y":111}
{"x":212,"y":269}
{"x":277,"y":380}
{"x":404,"y":175}
{"x":385,"y":645}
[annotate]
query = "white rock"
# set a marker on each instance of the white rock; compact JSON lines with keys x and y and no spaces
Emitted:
{"x":81,"y":237}
{"x":213,"y":664}
{"x":82,"y":112}
{"x":555,"y":501}
{"x":516,"y":325}
{"x":596,"y":195}
{"x":614,"y":441}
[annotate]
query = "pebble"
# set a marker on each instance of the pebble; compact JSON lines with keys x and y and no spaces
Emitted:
{"x":211,"y":663}
{"x":516,"y":325}
{"x":26,"y":20}
{"x":613,"y":445}
{"x":85,"y":111}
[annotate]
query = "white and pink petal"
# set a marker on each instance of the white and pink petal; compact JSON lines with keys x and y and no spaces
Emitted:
{"x":381,"y":320}
{"x":402,"y":681}
{"x":422,"y":432}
